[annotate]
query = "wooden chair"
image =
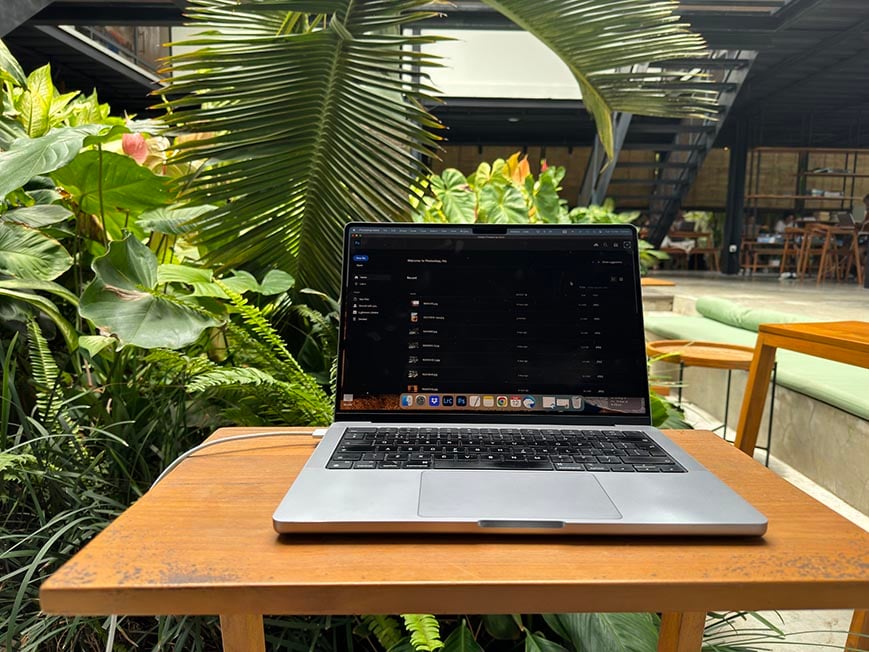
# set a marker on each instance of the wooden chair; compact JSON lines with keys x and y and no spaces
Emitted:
{"x":839,"y":253}
{"x":790,"y":259}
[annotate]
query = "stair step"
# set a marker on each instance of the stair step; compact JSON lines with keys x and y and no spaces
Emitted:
{"x":662,"y":147}
{"x":672,"y":129}
{"x":647,"y":182}
{"x":656,"y":165}
{"x":703,"y":62}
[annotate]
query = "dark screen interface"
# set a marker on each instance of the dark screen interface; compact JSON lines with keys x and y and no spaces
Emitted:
{"x":531,"y":321}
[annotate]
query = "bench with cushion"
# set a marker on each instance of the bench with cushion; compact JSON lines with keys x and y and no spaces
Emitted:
{"x":821,"y":423}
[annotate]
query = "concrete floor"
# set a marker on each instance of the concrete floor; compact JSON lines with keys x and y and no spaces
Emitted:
{"x":826,"y":302}
{"x":806,"y":630}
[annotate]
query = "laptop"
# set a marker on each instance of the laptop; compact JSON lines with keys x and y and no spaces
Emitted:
{"x":493,"y":379}
{"x":844,"y":218}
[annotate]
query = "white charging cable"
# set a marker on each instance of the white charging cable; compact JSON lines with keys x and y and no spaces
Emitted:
{"x":317,"y":434}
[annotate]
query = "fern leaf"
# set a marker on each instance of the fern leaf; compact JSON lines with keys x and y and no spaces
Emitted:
{"x":424,"y":631}
{"x":44,"y":370}
{"x":230,"y":377}
{"x":386,"y":630}
{"x":254,"y":318}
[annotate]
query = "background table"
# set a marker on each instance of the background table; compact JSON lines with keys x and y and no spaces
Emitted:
{"x":202,"y":542}
{"x":842,"y":341}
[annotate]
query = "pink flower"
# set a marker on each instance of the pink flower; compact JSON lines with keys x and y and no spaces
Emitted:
{"x":135,"y":147}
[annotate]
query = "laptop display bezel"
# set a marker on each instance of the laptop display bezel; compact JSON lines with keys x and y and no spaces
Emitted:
{"x":443,"y":415}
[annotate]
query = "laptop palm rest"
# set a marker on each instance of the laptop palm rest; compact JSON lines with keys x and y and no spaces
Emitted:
{"x":526,"y":496}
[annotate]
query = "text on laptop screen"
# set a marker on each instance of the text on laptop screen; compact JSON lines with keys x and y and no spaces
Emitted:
{"x":522,"y":321}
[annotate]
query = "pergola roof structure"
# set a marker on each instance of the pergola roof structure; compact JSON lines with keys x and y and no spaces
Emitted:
{"x":808,"y":84}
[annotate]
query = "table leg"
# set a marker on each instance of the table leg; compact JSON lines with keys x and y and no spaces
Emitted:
{"x":242,"y":633}
{"x":681,"y":632}
{"x":755,"y":396}
{"x":858,"y":639}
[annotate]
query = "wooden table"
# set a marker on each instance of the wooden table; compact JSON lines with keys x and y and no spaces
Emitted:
{"x":712,"y":355}
{"x":651,"y":282}
{"x":842,"y":341}
{"x":202,"y":542}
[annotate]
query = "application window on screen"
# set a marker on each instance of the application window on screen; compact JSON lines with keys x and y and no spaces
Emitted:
{"x":497,"y":325}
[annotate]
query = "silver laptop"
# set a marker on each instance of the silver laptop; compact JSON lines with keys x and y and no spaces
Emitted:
{"x":492,"y":379}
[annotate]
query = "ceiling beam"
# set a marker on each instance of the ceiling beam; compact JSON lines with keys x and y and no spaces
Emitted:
{"x":94,"y":12}
{"x":793,"y":11}
{"x":770,"y":81}
{"x":18,"y":12}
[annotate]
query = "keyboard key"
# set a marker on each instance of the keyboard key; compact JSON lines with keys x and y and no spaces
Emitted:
{"x":346,"y":457}
{"x":670,"y":468}
{"x":365,"y":465}
{"x":486,"y":464}
{"x":631,"y":459}
{"x":597,"y":468}
{"x":646,"y":468}
{"x":339,"y":465}
{"x":622,"y":468}
{"x":389,"y":465}
{"x":569,"y":466}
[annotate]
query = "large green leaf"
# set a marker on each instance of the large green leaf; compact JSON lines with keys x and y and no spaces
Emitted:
{"x":600,"y":39}
{"x":459,"y":202}
{"x":9,"y":66}
{"x":461,"y":640}
{"x":539,"y":643}
{"x":123,"y":300}
{"x":104,"y":183}
{"x":172,"y":220}
{"x":607,"y":632}
{"x":46,"y":307}
{"x":30,"y":157}
{"x":37,"y":216}
{"x":310,"y":127}
{"x":34,"y":104}
{"x":28,"y":254}
{"x":500,"y":203}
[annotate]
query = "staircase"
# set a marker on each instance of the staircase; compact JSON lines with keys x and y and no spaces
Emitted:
{"x":675,"y":150}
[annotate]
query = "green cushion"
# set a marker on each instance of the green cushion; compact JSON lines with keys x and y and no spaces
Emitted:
{"x":841,"y":385}
{"x":731,"y":313}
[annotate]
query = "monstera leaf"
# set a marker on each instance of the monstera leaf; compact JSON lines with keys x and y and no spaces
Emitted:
{"x":123,"y":300}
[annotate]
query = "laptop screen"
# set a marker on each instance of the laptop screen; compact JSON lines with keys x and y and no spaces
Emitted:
{"x":504,"y":323}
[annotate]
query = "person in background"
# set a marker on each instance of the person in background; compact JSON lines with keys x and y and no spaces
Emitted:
{"x":784,"y":222}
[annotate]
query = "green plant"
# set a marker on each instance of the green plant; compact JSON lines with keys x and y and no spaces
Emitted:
{"x":320,"y":126}
{"x":506,"y":191}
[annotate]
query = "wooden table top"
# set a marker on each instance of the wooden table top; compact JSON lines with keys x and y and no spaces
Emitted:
{"x":849,"y":335}
{"x":716,"y":355}
{"x":651,"y":282}
{"x":202,"y":542}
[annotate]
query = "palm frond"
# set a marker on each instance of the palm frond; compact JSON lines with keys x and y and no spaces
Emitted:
{"x":602,"y":41}
{"x":307,"y":124}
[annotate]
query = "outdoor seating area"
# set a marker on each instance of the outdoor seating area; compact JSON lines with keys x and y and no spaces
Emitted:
{"x":469,"y":326}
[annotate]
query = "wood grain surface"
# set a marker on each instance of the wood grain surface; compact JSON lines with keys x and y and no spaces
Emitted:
{"x":714,"y":355}
{"x":202,"y":542}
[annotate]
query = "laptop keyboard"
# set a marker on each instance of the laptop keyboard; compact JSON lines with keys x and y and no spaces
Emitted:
{"x":614,"y":451}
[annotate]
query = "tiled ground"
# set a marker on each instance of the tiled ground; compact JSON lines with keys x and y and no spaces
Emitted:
{"x":826,"y":302}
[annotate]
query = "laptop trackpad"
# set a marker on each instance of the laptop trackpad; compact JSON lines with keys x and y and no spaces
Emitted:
{"x":508,"y":495}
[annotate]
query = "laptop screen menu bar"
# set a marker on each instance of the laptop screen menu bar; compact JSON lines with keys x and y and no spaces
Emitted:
{"x":517,"y":321}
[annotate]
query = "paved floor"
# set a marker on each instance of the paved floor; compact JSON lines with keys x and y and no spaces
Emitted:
{"x":826,"y":302}
{"x":806,"y":630}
